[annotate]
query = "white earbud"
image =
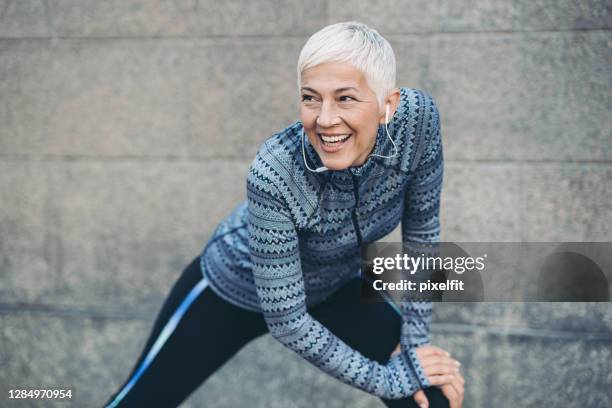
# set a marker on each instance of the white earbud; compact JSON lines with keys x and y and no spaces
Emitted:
{"x":318,"y":169}
{"x":387,"y":130}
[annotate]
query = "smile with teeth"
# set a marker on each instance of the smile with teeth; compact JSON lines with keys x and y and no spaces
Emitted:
{"x":334,"y":140}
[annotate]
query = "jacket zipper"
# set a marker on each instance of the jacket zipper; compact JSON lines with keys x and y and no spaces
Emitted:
{"x":355,"y":223}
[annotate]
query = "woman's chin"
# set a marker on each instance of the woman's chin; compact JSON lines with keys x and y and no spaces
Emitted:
{"x":337,"y":164}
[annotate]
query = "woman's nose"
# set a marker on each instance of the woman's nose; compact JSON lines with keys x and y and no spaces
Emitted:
{"x":328,"y":116}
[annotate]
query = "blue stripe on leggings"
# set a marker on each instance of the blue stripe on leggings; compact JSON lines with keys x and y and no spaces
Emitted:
{"x":161,"y":339}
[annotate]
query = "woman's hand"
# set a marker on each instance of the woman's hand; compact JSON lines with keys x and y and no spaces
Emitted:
{"x":438,"y":365}
{"x":442,"y":371}
{"x":454,"y":391}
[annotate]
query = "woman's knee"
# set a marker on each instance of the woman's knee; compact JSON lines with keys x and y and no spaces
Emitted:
{"x":372,"y":328}
{"x":436,"y":398}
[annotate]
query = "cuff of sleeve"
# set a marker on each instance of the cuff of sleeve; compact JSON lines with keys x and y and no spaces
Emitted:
{"x":403,"y":382}
{"x":417,"y":368}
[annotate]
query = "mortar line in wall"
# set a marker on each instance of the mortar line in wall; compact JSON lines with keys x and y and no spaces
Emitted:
{"x":48,"y":19}
{"x":513,"y":331}
{"x":83,"y":158}
{"x":195,"y":158}
{"x":522,"y":204}
{"x":70,"y":311}
{"x":529,"y":161}
{"x":296,"y":36}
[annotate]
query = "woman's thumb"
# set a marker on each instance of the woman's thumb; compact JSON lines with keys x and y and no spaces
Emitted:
{"x":421,"y":399}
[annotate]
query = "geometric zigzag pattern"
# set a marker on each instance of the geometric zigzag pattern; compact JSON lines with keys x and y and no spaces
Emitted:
{"x":297,"y":239}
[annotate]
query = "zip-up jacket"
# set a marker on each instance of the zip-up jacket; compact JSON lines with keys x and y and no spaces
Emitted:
{"x":298,"y":238}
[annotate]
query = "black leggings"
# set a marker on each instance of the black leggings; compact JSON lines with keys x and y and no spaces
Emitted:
{"x":212,"y":330}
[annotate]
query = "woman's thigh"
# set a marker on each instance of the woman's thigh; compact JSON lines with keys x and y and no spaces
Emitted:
{"x":372,"y":328}
{"x":194,"y":334}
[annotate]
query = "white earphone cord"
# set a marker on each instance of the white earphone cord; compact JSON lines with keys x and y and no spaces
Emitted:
{"x":323,"y":168}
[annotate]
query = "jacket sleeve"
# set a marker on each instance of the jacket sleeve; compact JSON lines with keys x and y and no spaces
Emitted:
{"x":274,"y":249}
{"x":421,"y":224}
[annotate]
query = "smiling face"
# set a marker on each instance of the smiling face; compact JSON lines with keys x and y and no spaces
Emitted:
{"x":340,"y":114}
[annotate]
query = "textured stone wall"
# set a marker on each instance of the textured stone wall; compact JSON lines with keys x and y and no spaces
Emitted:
{"x":127,"y":127}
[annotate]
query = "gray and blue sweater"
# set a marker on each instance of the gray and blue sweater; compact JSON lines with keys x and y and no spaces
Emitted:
{"x":298,"y":236}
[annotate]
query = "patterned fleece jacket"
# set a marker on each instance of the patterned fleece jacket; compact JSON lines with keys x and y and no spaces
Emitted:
{"x":298,"y":238}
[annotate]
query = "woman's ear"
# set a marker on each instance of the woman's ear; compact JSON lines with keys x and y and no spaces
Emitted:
{"x":392,"y":100}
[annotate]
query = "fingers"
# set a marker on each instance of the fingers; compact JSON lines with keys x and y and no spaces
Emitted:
{"x":440,"y":379}
{"x":458,"y":387}
{"x":439,"y":365}
{"x":429,"y":350}
{"x":451,"y":395}
{"x":421,"y":399}
{"x":454,"y":392}
{"x":440,"y":373}
{"x":438,"y":359}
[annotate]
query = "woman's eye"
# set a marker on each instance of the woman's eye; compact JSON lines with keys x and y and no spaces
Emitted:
{"x":306,"y":98}
{"x":348,"y":98}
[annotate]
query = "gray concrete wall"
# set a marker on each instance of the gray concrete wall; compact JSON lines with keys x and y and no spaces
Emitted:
{"x":126,"y":129}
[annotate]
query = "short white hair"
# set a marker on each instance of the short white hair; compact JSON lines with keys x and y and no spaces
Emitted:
{"x":358,"y":44}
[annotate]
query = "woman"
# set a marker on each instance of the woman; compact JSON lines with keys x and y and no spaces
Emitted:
{"x":364,"y":157}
